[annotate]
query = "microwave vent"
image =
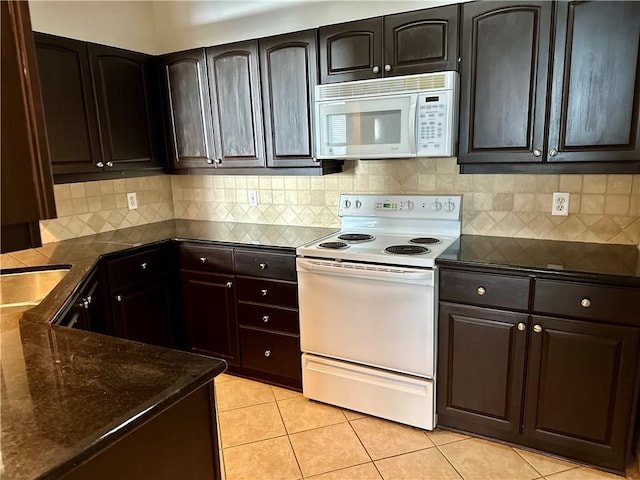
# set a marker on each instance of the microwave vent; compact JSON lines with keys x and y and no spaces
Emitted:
{"x":386,"y":86}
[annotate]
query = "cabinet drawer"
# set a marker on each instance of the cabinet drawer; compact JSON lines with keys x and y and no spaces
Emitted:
{"x":271,"y":292}
{"x":203,"y":257}
{"x":271,"y":352}
{"x":269,"y":318}
{"x":137,"y":267}
{"x":485,"y":289}
{"x":593,"y":302}
{"x":264,"y":264}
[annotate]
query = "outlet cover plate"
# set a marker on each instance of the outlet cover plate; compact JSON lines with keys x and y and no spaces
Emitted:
{"x":132,"y":201}
{"x":253,"y":198}
{"x":560,"y":204}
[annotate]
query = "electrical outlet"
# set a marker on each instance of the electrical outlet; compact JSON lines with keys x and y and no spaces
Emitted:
{"x":560,"y":204}
{"x":253,"y":198}
{"x":132,"y":201}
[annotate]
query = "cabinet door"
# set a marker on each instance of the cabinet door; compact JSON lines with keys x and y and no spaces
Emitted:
{"x":421,"y":42}
{"x":580,"y":384}
{"x":143,"y":312}
{"x":188,"y":108}
{"x":234,"y":83}
{"x":351,"y":51}
{"x":503,"y":81}
{"x":595,"y":96}
{"x":481,"y":363}
{"x":289,"y":72}
{"x":126,"y":90}
{"x":210,"y":314}
{"x":69,"y":107}
{"x":27,"y":186}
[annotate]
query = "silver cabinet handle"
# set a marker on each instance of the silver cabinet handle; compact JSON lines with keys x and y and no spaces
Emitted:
{"x":376,"y":69}
{"x":99,"y":164}
{"x":537,"y":153}
{"x":143,"y":265}
{"x":387,"y":68}
{"x":119,"y":298}
{"x":553,"y":153}
{"x":522,"y":326}
{"x":263,"y":266}
{"x":229,"y":284}
{"x":537,"y":328}
{"x":218,"y":161}
{"x":89,"y":299}
{"x":267,"y":353}
{"x":109,"y":164}
{"x":585,"y":302}
{"x":317,"y":160}
{"x":265,"y":318}
{"x":210,"y":161}
{"x":84,"y":304}
{"x":481,"y":291}
{"x":264,"y":292}
{"x":203,"y":259}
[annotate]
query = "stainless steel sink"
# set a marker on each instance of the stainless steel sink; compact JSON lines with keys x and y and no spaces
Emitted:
{"x":28,"y":288}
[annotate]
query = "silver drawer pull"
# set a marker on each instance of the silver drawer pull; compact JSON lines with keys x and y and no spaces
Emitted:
{"x":265,"y":318}
{"x":109,"y":164}
{"x":143,"y":265}
{"x":263,"y":266}
{"x":267,"y":353}
{"x":264,"y":292}
{"x":100,"y":164}
{"x":229,"y":284}
{"x":522,"y":326}
{"x":119,"y":298}
{"x":537,"y":328}
{"x":585,"y":302}
{"x":203,"y":259}
{"x":481,"y":291}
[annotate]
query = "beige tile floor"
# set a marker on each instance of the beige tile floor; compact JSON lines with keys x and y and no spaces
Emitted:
{"x":268,"y":433}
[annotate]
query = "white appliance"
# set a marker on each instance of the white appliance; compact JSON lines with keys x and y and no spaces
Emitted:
{"x":397,"y":117}
{"x":367,"y":297}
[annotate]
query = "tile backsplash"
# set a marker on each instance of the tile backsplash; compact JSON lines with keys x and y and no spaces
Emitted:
{"x":603,"y":208}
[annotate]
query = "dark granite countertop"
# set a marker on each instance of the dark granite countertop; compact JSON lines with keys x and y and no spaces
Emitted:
{"x":67,"y":394}
{"x":595,"y":261}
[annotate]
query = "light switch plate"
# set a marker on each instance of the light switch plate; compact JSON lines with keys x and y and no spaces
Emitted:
{"x":132,"y":201}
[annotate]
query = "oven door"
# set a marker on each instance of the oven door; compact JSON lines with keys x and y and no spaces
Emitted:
{"x":380,"y":316}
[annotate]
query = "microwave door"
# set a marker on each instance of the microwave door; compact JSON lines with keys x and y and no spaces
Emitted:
{"x":367,"y":128}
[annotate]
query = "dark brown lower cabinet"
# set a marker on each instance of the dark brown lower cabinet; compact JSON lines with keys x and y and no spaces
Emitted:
{"x":180,"y":442}
{"x":567,"y":386}
{"x":210,"y":314}
{"x":90,"y":309}
{"x":143,"y":312}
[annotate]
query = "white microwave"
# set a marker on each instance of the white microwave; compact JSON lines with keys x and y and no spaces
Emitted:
{"x":397,"y":117}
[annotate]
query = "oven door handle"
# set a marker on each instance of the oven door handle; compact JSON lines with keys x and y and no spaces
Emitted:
{"x":374,"y":272}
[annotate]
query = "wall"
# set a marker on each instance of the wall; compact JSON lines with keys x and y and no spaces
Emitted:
{"x":95,"y":207}
{"x":125,"y":24}
{"x":603,"y":208}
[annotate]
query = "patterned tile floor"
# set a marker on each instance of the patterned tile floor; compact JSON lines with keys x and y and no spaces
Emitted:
{"x":272,"y":433}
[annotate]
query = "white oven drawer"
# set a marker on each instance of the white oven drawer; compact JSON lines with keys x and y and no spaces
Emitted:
{"x":401,"y":398}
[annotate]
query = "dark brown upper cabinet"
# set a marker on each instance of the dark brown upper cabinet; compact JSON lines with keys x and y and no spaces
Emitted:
{"x":288,"y":67}
{"x":422,"y":41}
{"x":528,"y":104}
{"x":100,"y":109}
{"x":234,"y":83}
{"x":27,"y":185}
{"x":189,"y":123}
{"x":126,"y":94}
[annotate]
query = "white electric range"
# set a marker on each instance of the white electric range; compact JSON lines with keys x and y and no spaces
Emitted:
{"x":367,"y":297}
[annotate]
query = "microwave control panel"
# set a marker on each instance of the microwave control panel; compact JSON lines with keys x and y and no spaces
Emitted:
{"x":434,"y":123}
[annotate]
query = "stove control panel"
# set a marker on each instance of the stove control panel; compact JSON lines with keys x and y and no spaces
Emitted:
{"x":436,"y":207}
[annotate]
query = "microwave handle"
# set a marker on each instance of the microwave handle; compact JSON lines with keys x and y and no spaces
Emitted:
{"x":412,"y":126}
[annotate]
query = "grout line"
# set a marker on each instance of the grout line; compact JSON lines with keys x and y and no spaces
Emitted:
{"x":527,"y":461}
{"x":293,"y":450}
{"x":450,"y":462}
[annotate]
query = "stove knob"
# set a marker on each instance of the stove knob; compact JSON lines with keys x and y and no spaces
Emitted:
{"x":436,"y":206}
{"x":347,"y":203}
{"x":449,"y":206}
{"x":408,"y":206}
{"x":358,"y":204}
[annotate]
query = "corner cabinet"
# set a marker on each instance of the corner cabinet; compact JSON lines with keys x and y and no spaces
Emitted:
{"x":27,"y":185}
{"x":551,"y":364}
{"x":422,"y":41}
{"x":541,"y":97}
{"x":101,"y":110}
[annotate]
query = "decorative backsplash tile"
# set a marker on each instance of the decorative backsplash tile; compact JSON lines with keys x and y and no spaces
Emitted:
{"x":603,"y":208}
{"x":95,"y":207}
